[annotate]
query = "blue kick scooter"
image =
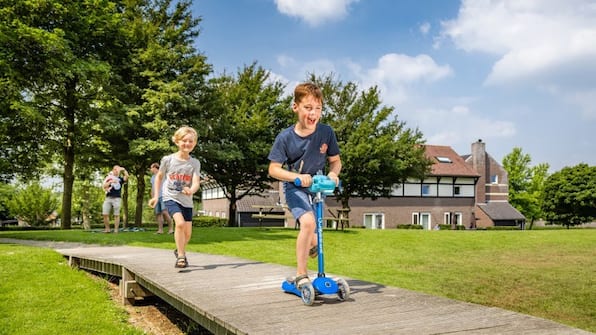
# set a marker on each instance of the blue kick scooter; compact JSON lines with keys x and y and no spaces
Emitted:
{"x":321,"y":186}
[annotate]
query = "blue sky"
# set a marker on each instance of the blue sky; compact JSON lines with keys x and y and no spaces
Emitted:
{"x":512,"y":73}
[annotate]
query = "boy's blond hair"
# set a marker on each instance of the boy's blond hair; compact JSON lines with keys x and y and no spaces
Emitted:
{"x":183,"y":131}
{"x":306,"y":89}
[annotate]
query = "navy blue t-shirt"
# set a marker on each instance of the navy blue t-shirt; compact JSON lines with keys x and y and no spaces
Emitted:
{"x":304,"y":155}
{"x":115,"y":189}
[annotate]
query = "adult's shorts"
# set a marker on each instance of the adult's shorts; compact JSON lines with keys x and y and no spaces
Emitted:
{"x":111,"y":203}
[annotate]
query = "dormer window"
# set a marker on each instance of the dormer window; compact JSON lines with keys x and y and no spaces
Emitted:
{"x":443,"y":159}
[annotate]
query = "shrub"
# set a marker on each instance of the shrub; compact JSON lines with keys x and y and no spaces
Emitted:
{"x":208,"y":221}
{"x":33,"y":204}
{"x":409,"y":226}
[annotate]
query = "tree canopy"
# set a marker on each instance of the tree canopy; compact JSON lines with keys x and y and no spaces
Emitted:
{"x":526,"y":184}
{"x":247,"y":112}
{"x":94,"y":83}
{"x":377,"y":150}
{"x":570,"y":195}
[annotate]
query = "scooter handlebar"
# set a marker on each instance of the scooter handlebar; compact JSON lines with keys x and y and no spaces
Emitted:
{"x":320,"y":183}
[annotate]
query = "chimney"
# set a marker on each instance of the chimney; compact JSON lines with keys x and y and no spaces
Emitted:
{"x":480,"y":165}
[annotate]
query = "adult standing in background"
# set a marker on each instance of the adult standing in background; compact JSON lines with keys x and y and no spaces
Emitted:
{"x":112,"y":185}
{"x":161,"y":212}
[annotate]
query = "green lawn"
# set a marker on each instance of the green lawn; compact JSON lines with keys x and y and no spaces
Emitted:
{"x":40,"y":294}
{"x":546,"y":273}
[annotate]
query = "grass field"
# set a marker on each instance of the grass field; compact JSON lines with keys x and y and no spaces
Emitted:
{"x":545,"y":273}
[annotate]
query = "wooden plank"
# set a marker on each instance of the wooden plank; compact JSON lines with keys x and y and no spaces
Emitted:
{"x":335,"y":219}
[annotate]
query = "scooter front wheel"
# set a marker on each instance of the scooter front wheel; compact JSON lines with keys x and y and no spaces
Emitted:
{"x":343,"y":292}
{"x":307,"y":293}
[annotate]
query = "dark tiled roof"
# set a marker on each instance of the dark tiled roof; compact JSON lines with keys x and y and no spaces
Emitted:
{"x":501,"y":211}
{"x":246,"y":203}
{"x":457,"y":167}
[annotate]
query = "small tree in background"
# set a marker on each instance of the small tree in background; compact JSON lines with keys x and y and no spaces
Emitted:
{"x":570,"y":195}
{"x":33,"y":204}
{"x":526,"y":184}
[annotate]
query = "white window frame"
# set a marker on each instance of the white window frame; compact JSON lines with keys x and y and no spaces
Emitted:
{"x":374,"y":224}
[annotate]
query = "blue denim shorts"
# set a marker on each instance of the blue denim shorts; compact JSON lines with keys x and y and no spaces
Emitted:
{"x":160,"y":206}
{"x":299,"y":200}
{"x":174,"y":207}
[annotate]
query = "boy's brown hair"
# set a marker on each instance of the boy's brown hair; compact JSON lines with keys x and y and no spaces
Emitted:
{"x":306,"y":89}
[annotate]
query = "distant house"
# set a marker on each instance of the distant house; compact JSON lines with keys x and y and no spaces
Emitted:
{"x":492,"y":191}
{"x":469,"y":191}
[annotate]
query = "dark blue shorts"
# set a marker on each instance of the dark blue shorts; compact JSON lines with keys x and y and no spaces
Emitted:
{"x":298,"y":200}
{"x":174,"y":207}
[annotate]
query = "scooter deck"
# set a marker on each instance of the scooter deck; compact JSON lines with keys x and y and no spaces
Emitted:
{"x":322,"y":285}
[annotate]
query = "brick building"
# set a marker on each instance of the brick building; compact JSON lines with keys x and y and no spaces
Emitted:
{"x":469,"y":191}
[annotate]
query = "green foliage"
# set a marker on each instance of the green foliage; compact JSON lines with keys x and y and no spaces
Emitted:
{"x":32,"y":204}
{"x":87,"y":201}
{"x":570,"y":195}
{"x":6,"y":192}
{"x":377,"y":150}
{"x":408,"y":226}
{"x":526,"y":184}
{"x":161,"y":86}
{"x":247,"y":112}
{"x":208,"y":221}
{"x":58,"y":300}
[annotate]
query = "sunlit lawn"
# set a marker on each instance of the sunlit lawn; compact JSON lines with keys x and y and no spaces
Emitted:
{"x":40,"y":294}
{"x":545,"y":273}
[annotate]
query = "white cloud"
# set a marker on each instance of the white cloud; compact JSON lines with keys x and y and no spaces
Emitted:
{"x":538,"y":43}
{"x":467,"y":125}
{"x":585,"y":100}
{"x":424,"y":28}
{"x":530,"y":37}
{"x":395,"y":73}
{"x":314,"y":12}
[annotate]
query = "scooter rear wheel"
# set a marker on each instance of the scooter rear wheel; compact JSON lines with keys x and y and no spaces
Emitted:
{"x":307,"y":293}
{"x":343,"y":293}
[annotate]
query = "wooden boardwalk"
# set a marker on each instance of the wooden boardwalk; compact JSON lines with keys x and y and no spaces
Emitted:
{"x":228,"y":295}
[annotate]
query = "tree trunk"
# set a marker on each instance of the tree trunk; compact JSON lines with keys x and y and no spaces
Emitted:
{"x":232,"y":210}
{"x":140,"y":198}
{"x":69,"y":153}
{"x":85,"y":207}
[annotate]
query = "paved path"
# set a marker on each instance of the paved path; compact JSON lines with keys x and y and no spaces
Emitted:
{"x":230,"y":295}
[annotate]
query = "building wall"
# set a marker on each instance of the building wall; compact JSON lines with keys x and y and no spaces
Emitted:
{"x":493,"y":182}
{"x":216,"y":207}
{"x":482,"y":220}
{"x":497,"y":185}
{"x":399,"y":210}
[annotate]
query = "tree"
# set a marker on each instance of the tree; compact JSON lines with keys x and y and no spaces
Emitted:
{"x":95,"y":83}
{"x":377,"y":150}
{"x":570,"y":195}
{"x":6,"y":192}
{"x":525,"y":184}
{"x":54,"y":60}
{"x":161,"y":85}
{"x":33,"y":204}
{"x":247,"y":113}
